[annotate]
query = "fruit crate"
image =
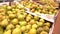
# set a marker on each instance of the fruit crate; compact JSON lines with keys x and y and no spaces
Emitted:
{"x":47,"y":16}
{"x":4,"y":3}
{"x":52,"y":26}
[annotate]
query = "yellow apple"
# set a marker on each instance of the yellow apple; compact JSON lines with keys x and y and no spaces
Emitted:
{"x":44,"y":32}
{"x":15,"y":21}
{"x":32,"y":31}
{"x":22,"y":23}
{"x":34,"y":26}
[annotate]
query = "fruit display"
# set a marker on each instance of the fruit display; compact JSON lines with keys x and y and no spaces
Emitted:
{"x":14,"y":20}
{"x":38,"y":8}
{"x":49,"y":2}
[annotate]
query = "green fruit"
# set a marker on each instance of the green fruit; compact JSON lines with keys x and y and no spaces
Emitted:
{"x":28,"y":18}
{"x":32,"y":31}
{"x":32,"y":21}
{"x":14,"y":12}
{"x":9,"y":7}
{"x":29,"y":15}
{"x":7,"y":32}
{"x":4,"y":22}
{"x":25,"y":14}
{"x":46,"y":28}
{"x":36,"y":12}
{"x":1,"y":30}
{"x":33,"y":10}
{"x":10,"y":26}
{"x":44,"y":32}
{"x":47,"y":24}
{"x":25,"y":33}
{"x":40,"y":23}
{"x":34,"y":26}
{"x":21,"y":17}
{"x":50,"y":13}
{"x":36,"y":17}
{"x":18,"y":26}
{"x":23,"y":28}
{"x":9,"y":12}
{"x":17,"y":31}
{"x":42,"y":20}
{"x":28,"y":27}
{"x":22,"y":23}
{"x":12,"y":15}
{"x":14,"y":21}
{"x":39,"y":29}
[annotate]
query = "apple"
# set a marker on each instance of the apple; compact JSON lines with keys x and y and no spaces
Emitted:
{"x":28,"y":18}
{"x":44,"y":32}
{"x":17,"y":31}
{"x":36,"y":18}
{"x":9,"y":7}
{"x":47,"y":24}
{"x":32,"y":31}
{"x":21,"y":17}
{"x":40,"y":23}
{"x":22,"y":23}
{"x":7,"y":32}
{"x":12,"y":15}
{"x":46,"y":28}
{"x":39,"y":29}
{"x":4,"y":22}
{"x":15,"y":21}
{"x":23,"y":28}
{"x":28,"y":27}
{"x":34,"y":26}
{"x":10,"y":26}
{"x":32,"y":21}
{"x":41,"y":20}
{"x":1,"y":30}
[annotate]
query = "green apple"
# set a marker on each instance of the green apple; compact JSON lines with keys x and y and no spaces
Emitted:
{"x":34,"y":26}
{"x":1,"y":30}
{"x":36,"y":18}
{"x":32,"y":31}
{"x":22,"y":23}
{"x":23,"y":28}
{"x":28,"y":27}
{"x":47,"y":24}
{"x":12,"y":15}
{"x":40,"y":23}
{"x":21,"y":17}
{"x":41,"y":20}
{"x":32,"y":21}
{"x":44,"y":32}
{"x":46,"y":28}
{"x":9,"y":7}
{"x":4,"y":22}
{"x":7,"y":32}
{"x":17,"y":31}
{"x":28,"y":18}
{"x":10,"y":26}
{"x":15,"y":21}
{"x":39,"y":29}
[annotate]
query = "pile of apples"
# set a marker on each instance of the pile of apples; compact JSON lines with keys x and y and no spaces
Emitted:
{"x":49,"y":2}
{"x":14,"y":20}
{"x":38,"y":8}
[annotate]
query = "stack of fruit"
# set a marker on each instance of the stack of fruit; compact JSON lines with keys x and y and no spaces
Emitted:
{"x":49,"y":2}
{"x":14,"y":20}
{"x":37,"y":8}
